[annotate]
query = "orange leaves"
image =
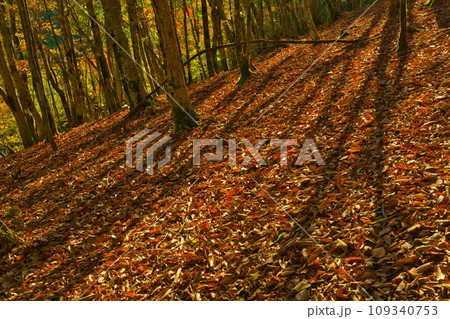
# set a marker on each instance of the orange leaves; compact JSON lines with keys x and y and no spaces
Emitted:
{"x":365,"y":221}
{"x":108,"y":255}
{"x":155,"y":230}
{"x":120,"y":250}
{"x":130,"y":294}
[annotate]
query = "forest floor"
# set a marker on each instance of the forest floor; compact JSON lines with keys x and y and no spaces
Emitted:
{"x":378,"y":209}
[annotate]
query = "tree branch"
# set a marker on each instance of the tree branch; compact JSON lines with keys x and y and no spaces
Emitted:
{"x":282,"y":41}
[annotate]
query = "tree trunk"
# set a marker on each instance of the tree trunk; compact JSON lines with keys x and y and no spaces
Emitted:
{"x":70,"y":109}
{"x":20,"y":83}
{"x":52,"y":79}
{"x":258,"y":14}
{"x":231,"y":37}
{"x":196,"y":35}
{"x":186,"y":42}
{"x":10,"y":97}
{"x":402,"y":41}
{"x":105,"y":81}
{"x":132,"y":83}
{"x":207,"y":40}
{"x":333,"y":9}
{"x":152,"y":58}
{"x":285,"y":23}
{"x":79,"y":95}
{"x":134,"y":33}
{"x":35,"y":71}
{"x":274,"y":34}
{"x":216,"y":16}
{"x":309,"y":21}
{"x":314,"y":8}
{"x":243,"y":56}
{"x":184,"y":114}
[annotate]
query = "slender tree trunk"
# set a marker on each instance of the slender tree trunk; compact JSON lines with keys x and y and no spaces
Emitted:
{"x":402,"y":40}
{"x":53,"y":105}
{"x":243,"y":55}
{"x":333,"y":9}
{"x":149,"y":72}
{"x":309,"y":21}
{"x":35,"y":71}
{"x":134,"y":32}
{"x":183,"y":111}
{"x":216,"y":7}
{"x":196,"y":35}
{"x":285,"y":23}
{"x":258,"y":14}
{"x":15,"y":38}
{"x":231,"y":37}
{"x":133,"y":85}
{"x":53,"y":81}
{"x":17,"y":47}
{"x":19,"y":80}
{"x":273,"y":30}
{"x":186,"y":42}
{"x":79,"y":95}
{"x":152,"y":58}
{"x":70,"y":110}
{"x":296,"y":18}
{"x":109,"y":94}
{"x":222,"y":52}
{"x":207,"y":40}
{"x":314,"y":8}
{"x":10,"y":97}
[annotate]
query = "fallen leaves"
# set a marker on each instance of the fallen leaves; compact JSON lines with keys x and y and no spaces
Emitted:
{"x":379,"y":252}
{"x":379,"y":207}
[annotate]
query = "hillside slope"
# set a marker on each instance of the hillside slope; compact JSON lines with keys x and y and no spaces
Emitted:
{"x":379,"y":207}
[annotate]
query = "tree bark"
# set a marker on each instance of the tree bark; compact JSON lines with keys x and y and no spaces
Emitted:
{"x":207,"y":39}
{"x":132,"y":83}
{"x":134,"y":32}
{"x":314,"y":8}
{"x":402,"y":41}
{"x":35,"y":71}
{"x":69,"y":109}
{"x":152,"y":58}
{"x":243,"y":55}
{"x":79,"y":104}
{"x":182,"y":109}
{"x":258,"y":14}
{"x":105,"y":79}
{"x":10,"y":97}
{"x":309,"y":21}
{"x":196,"y":35}
{"x":216,"y":16}
{"x":52,"y":78}
{"x":19,"y":80}
{"x":333,"y":9}
{"x":273,"y":31}
{"x":186,"y":42}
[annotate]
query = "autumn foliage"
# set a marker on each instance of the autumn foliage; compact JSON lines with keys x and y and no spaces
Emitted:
{"x":379,"y":207}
